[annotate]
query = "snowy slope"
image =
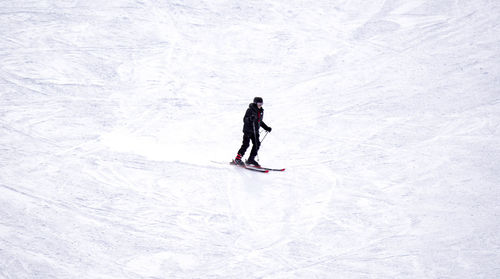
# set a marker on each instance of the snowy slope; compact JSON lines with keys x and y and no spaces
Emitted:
{"x":116,"y":119}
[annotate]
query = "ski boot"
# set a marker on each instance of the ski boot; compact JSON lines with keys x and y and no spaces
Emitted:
{"x":238,"y":161}
{"x":251,"y":161}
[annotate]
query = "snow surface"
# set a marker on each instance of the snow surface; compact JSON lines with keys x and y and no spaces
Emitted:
{"x":117,"y":119}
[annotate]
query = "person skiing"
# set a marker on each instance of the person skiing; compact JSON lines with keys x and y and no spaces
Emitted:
{"x":252,"y":123}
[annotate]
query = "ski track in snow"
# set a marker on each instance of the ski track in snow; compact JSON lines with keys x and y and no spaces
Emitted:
{"x":117,"y":118}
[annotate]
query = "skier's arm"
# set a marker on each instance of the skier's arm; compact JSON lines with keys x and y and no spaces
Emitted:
{"x":264,"y":125}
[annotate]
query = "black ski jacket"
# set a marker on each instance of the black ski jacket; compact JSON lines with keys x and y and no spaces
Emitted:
{"x":253,"y":119}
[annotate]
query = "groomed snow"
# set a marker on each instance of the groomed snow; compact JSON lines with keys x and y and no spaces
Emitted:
{"x":117,"y":119}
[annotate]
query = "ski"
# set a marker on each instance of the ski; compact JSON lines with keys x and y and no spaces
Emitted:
{"x":251,"y":168}
{"x":270,"y":169}
{"x":255,"y":169}
{"x":264,"y":168}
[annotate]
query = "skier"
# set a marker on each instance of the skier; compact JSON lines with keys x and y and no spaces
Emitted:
{"x":252,"y":123}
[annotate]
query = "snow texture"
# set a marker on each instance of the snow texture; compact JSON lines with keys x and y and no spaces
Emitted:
{"x":117,"y":119}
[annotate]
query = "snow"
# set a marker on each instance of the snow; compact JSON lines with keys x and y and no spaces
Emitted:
{"x":118,"y":117}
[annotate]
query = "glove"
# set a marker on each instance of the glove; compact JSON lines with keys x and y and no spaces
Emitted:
{"x":269,"y":129}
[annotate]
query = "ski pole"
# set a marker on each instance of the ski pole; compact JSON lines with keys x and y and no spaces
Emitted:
{"x":254,"y":133}
{"x":255,"y":136}
{"x":264,"y":137}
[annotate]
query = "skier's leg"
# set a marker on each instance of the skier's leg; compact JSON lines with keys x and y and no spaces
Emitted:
{"x":255,"y":149}
{"x":244,"y":146}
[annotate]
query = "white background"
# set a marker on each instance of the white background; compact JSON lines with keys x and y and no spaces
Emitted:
{"x":118,"y":118}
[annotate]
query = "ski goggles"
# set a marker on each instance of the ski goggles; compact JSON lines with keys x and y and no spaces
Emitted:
{"x":260,"y":104}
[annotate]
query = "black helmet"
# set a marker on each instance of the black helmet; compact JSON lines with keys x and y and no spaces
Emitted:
{"x":257,"y":100}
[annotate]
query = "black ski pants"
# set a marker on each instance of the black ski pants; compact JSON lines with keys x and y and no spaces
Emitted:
{"x":246,"y":143}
